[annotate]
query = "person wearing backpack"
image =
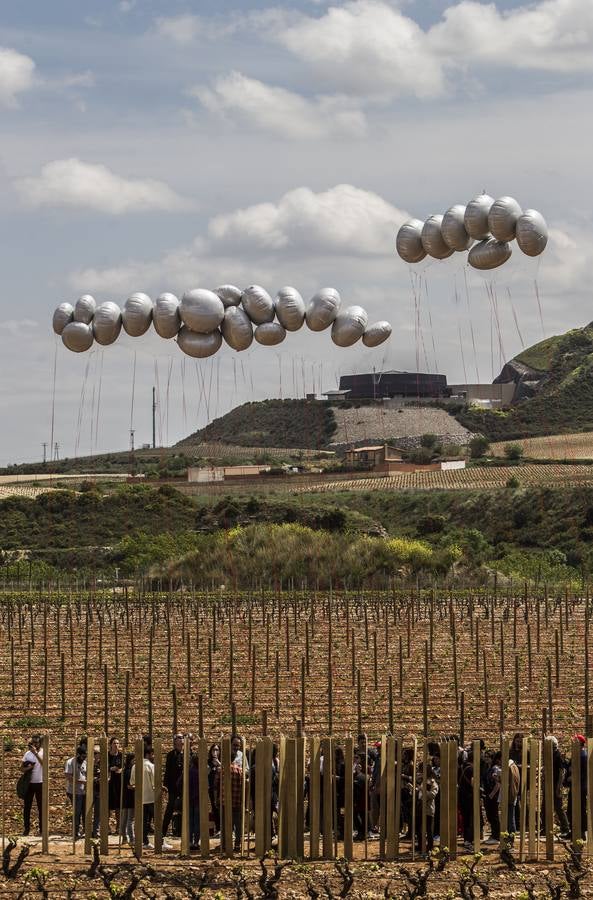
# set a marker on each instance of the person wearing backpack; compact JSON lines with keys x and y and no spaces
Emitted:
{"x":32,"y":767}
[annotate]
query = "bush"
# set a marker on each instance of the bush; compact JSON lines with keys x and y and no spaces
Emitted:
{"x":513,"y":482}
{"x":428,"y":440}
{"x":431,"y":524}
{"x":513,"y":451}
{"x":478,"y":446}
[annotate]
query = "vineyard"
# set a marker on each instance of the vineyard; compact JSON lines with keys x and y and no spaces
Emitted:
{"x":556,"y":446}
{"x":418,"y":664}
{"x":474,"y":478}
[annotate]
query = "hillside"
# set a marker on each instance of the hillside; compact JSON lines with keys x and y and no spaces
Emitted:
{"x":308,"y":424}
{"x":562,"y":400}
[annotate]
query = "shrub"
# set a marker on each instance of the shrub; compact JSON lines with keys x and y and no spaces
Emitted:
{"x":478,"y":446}
{"x":513,"y":482}
{"x":513,"y":451}
{"x":428,"y":440}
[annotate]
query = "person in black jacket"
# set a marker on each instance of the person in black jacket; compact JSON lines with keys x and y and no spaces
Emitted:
{"x":172,"y":778}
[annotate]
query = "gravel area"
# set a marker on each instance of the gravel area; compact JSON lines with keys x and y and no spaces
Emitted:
{"x":404,"y":425}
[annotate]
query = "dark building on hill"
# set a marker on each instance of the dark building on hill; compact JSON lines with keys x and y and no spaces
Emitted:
{"x":376,"y":385}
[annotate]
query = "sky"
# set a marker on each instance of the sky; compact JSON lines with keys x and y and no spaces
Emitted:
{"x":152,"y":146}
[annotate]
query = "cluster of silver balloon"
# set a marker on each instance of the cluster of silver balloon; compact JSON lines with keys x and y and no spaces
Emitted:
{"x":202,"y":319}
{"x":492,"y":223}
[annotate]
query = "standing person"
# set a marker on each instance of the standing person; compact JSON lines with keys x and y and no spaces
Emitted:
{"x":514,"y":786}
{"x":214,"y":765}
{"x":466,"y":801}
{"x":32,"y":763}
{"x":492,"y":785}
{"x":235,"y":789}
{"x":115,"y":765}
{"x":358,"y":796}
{"x":432,"y":789}
{"x":127,"y":820}
{"x":148,"y":790}
{"x":75,"y":772}
{"x":172,"y":778}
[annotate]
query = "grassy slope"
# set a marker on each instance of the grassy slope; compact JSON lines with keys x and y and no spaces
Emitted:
{"x":271,"y":423}
{"x":537,"y":518}
{"x":563,"y":404}
{"x":541,"y":355}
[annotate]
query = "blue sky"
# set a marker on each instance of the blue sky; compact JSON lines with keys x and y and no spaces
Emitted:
{"x":164,"y":146}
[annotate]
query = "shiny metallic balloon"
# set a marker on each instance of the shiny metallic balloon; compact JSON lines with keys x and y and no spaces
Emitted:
{"x":432,"y":238}
{"x":258,"y":304}
{"x":236,"y":328}
{"x":137,"y":314}
{"x":229,"y":294}
{"x":409,"y":241}
{"x":377,"y":334}
{"x":201,"y":310}
{"x":532,"y":232}
{"x":476,"y":217}
{"x":84,"y":309}
{"x":290,"y":308}
{"x":165,"y":315}
{"x":323,"y":309}
{"x":197,"y":344}
{"x":502,"y":218}
{"x":107,"y":323}
{"x":78,"y":337}
{"x":63,"y":314}
{"x":270,"y":333}
{"x":349,"y":326}
{"x":489,"y":254}
{"x":453,"y":229}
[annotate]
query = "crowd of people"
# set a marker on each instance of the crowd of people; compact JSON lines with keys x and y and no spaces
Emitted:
{"x":80,"y":771}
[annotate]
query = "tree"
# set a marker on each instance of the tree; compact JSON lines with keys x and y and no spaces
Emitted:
{"x":513,"y":451}
{"x":478,"y":446}
{"x":428,"y":440}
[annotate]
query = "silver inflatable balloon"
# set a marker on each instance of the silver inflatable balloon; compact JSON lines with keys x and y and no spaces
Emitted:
{"x":63,"y":314}
{"x":453,"y":229}
{"x":349,"y":326}
{"x":476,"y":217}
{"x":376,"y":334}
{"x":290,"y":308}
{"x":84,"y":309}
{"x":107,"y":323}
{"x":270,"y":333}
{"x":258,"y":304}
{"x":229,"y":294}
{"x":201,"y":310}
{"x":78,"y":337}
{"x":432,"y":238}
{"x":165,"y":315}
{"x":532,"y":232}
{"x":323,"y":309}
{"x":137,"y":314}
{"x":409,"y":241}
{"x":197,"y":344}
{"x":502,"y":218}
{"x":489,"y":254}
{"x":236,"y":328}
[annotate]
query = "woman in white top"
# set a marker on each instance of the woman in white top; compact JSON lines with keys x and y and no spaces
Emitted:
{"x":32,"y":761}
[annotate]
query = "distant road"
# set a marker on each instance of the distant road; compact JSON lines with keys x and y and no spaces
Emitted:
{"x":78,"y":476}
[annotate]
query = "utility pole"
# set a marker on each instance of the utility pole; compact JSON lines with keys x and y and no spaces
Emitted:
{"x":56,"y":451}
{"x":132,"y":440}
{"x":44,"y":452}
{"x":154,"y":418}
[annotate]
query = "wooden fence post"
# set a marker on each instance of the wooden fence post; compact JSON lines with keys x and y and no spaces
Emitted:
{"x":204,"y":799}
{"x":158,"y":794}
{"x":44,"y":824}
{"x":103,"y":796}
{"x":327,"y":746}
{"x":314,"y":796}
{"x":88,"y":796}
{"x":348,"y":797}
{"x":185,"y":798}
{"x":549,"y":796}
{"x":476,"y":793}
{"x":575,"y":777}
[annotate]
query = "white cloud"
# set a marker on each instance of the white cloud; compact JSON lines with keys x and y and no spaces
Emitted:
{"x":126,"y":6}
{"x":17,"y":74}
{"x":372,"y":48}
{"x":17,"y":327}
{"x":366,"y":47}
{"x":552,"y":35}
{"x":278,"y":111}
{"x":73,"y":182}
{"x":342,"y":220}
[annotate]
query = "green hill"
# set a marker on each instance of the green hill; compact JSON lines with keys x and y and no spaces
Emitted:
{"x":306,"y":424}
{"x":562,"y":399}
